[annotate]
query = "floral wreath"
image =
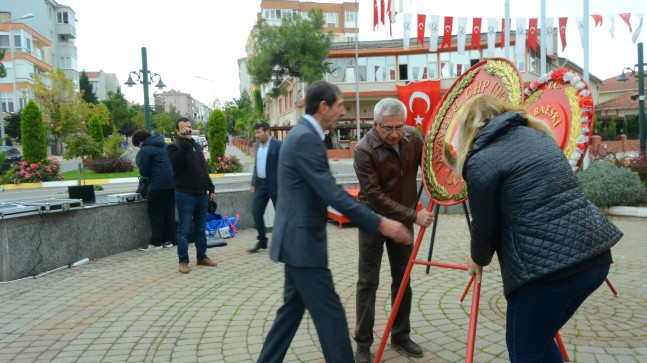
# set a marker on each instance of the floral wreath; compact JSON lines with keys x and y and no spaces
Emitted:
{"x":585,"y":103}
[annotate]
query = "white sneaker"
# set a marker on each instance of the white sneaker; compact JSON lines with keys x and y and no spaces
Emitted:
{"x":168,"y":245}
{"x":151,"y":248}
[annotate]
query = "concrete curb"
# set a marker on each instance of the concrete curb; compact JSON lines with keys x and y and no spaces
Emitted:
{"x":67,"y":183}
{"x":628,"y":211}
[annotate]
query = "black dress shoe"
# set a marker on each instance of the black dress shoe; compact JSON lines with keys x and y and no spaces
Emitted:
{"x":257,"y":247}
{"x":363,"y":354}
{"x":407,"y":347}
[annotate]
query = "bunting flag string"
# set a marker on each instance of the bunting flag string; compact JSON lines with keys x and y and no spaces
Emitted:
{"x":526,"y":30}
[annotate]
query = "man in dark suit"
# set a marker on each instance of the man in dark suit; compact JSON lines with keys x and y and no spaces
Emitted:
{"x":264,"y":179}
{"x":306,"y":188}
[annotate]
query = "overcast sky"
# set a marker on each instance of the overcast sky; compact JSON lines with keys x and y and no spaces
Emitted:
{"x":204,"y":38}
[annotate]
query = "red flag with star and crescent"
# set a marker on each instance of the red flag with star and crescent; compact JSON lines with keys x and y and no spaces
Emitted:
{"x":376,"y":18}
{"x":447,"y":34}
{"x":562,"y":31}
{"x":420,"y":99}
{"x":532,"y":34}
{"x":626,"y":17}
{"x":476,"y":33}
{"x":421,"y":29}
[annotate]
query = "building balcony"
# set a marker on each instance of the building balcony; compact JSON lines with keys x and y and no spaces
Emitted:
{"x":67,"y":30}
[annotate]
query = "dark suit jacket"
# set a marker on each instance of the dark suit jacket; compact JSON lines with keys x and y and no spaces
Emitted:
{"x":306,"y":188}
{"x":271,"y":167}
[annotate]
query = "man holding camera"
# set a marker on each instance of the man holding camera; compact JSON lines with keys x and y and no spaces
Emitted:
{"x":193,"y":190}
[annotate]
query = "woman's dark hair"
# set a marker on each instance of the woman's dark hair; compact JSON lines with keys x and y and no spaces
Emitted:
{"x":140,"y":136}
{"x":320,"y":91}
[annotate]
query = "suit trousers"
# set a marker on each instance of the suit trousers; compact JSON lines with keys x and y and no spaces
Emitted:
{"x":259,"y":203}
{"x":161,"y":214}
{"x":536,"y":311}
{"x":370,"y":260}
{"x":309,"y":288}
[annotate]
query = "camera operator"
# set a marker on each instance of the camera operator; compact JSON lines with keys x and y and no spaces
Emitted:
{"x":193,"y":190}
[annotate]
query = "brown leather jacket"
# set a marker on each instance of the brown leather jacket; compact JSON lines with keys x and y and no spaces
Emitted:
{"x":388,"y":180}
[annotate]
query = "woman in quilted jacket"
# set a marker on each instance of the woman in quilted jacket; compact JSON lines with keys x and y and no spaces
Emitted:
{"x":527,"y":205}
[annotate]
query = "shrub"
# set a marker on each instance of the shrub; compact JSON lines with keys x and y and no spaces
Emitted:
{"x":24,"y":172}
{"x":81,"y":145}
{"x":114,"y":147}
{"x":217,"y":133}
{"x":34,"y":141}
{"x":636,"y":164}
{"x":104,"y":164}
{"x":96,"y":129}
{"x":226,"y":164}
{"x":606,"y":185}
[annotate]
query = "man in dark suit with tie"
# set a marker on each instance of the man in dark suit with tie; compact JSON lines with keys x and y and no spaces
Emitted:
{"x":306,"y":188}
{"x":264,"y":179}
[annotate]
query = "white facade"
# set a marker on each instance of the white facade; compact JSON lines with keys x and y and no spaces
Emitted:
{"x":102,"y":83}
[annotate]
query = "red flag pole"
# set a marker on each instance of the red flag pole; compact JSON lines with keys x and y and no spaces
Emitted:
{"x":474,"y":315}
{"x":403,"y":286}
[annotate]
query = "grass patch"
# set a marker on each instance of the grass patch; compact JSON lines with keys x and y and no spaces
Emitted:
{"x":89,"y":175}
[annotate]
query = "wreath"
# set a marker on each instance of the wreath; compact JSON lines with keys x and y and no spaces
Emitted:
{"x":585,"y":105}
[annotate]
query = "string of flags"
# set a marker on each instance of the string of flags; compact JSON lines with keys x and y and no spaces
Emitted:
{"x":526,"y":30}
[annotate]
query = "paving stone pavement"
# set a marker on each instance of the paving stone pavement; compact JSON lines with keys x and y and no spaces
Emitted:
{"x":136,"y":307}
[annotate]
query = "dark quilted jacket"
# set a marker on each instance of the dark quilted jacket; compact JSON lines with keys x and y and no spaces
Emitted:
{"x":527,"y":205}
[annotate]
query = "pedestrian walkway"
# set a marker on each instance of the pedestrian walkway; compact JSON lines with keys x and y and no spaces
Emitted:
{"x":245,"y":159}
{"x":136,"y":307}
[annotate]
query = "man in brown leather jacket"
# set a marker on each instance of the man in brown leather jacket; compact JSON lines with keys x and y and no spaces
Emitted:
{"x":386,"y":163}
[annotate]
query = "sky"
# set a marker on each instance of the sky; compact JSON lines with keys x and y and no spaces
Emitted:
{"x":204,"y":38}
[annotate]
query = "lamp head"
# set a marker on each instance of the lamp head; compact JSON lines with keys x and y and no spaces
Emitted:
{"x":130,"y":81}
{"x":160,"y":84}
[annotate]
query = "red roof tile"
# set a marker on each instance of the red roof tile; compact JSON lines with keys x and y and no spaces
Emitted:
{"x":622,"y":102}
{"x":613,"y":85}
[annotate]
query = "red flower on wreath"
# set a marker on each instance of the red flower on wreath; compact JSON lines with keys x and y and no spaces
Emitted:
{"x":558,"y":74}
{"x":586,"y":102}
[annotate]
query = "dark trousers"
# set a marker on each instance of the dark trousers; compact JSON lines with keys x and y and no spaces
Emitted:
{"x":370,"y":260}
{"x":259,"y":203}
{"x":161,"y":214}
{"x":538,"y":310}
{"x":309,"y":288}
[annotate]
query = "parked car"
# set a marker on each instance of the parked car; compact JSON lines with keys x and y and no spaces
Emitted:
{"x":200,"y":140}
{"x":12,"y":156}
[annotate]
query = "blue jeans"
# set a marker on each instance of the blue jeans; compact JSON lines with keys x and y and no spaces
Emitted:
{"x":538,"y":310}
{"x":191,"y":210}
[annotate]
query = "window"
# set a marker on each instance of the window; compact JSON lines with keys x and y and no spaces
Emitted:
{"x":7,"y":102}
{"x":331,"y":19}
{"x":403,"y":68}
{"x":62,"y":17}
{"x":350,"y":70}
{"x":4,"y":41}
{"x":350,"y":19}
{"x":350,"y":37}
{"x":65,"y":63}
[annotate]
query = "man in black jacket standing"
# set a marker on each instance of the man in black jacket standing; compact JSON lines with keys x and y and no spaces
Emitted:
{"x":192,"y":183}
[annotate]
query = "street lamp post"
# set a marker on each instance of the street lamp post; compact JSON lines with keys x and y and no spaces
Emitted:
{"x":145,"y":77}
{"x":641,"y":96}
{"x":11,"y":50}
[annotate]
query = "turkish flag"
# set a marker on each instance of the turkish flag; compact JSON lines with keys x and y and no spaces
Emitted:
{"x":421,"y":29}
{"x":420,"y":99}
{"x":382,"y":11}
{"x":447,"y":34}
{"x":532,"y":34}
{"x":476,"y":33}
{"x":376,"y":20}
{"x":626,"y":17}
{"x":562,"y":31}
{"x":502,"y":32}
{"x":597,"y":19}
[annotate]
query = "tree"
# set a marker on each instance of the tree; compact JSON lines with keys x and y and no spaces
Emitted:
{"x":217,"y":134}
{"x":96,"y":130}
{"x":82,"y":145}
{"x":259,"y":105}
{"x":60,"y":105}
{"x":12,"y":124}
{"x":34,"y":141}
{"x":3,"y":70}
{"x":121,"y":114}
{"x":298,"y":48}
{"x":87,"y":91}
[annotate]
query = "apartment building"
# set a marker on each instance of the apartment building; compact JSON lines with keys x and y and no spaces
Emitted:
{"x":27,"y":52}
{"x":102,"y":83}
